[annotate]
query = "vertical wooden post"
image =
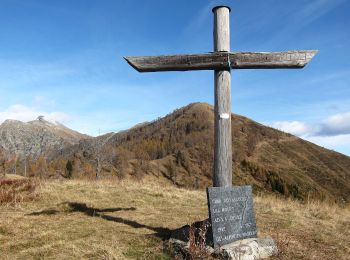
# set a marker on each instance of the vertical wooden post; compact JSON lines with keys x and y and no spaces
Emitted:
{"x":222,"y":139}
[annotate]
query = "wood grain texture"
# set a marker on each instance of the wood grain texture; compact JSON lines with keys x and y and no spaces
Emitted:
{"x":222,"y":61}
{"x":222,"y":130}
{"x":221,"y":29}
{"x":222,"y":176}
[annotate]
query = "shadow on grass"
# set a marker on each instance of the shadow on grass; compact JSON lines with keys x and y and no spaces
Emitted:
{"x":163,"y":233}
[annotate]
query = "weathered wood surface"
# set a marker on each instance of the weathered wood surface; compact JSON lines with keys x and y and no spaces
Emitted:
{"x":221,"y":28}
{"x":222,"y":176}
{"x":222,"y":61}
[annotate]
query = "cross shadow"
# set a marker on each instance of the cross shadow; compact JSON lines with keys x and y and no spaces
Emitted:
{"x":90,"y":211}
{"x":163,"y":233}
{"x":44,"y":212}
{"x":75,"y":206}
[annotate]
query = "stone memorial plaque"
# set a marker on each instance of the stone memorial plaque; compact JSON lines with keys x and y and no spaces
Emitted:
{"x":231,"y":214}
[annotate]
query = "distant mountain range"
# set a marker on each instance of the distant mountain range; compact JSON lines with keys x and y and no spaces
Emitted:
{"x":36,"y":137}
{"x":178,"y":148}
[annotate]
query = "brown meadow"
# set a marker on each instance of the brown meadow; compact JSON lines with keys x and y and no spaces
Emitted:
{"x":75,"y":219}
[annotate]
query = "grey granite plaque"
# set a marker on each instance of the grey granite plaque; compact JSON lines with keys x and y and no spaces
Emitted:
{"x":231,"y":214}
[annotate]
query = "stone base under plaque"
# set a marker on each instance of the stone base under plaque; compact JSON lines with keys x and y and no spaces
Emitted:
{"x":250,"y":249}
{"x":246,"y":249}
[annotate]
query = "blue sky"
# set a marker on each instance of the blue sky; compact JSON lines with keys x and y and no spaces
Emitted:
{"x":63,"y":59}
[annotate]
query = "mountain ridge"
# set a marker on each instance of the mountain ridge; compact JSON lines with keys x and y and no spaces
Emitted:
{"x":178,"y":148}
{"x":36,"y":137}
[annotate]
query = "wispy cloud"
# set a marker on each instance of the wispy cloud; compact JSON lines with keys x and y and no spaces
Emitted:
{"x":199,"y":19}
{"x":193,"y":31}
{"x":298,"y":17}
{"x":332,"y":75}
{"x":315,"y":9}
{"x":16,"y":73}
{"x":86,"y":65}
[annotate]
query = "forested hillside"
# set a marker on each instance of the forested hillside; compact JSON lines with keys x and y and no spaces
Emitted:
{"x":178,"y":149}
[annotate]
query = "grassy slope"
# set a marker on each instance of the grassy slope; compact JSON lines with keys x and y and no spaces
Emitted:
{"x":178,"y":149}
{"x":264,"y":157}
{"x":128,"y":220}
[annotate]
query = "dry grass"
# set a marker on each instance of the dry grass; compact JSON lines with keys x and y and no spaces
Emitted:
{"x":14,"y":191}
{"x":129,"y":220}
{"x":313,"y":230}
{"x":197,"y":244}
{"x":98,"y":220}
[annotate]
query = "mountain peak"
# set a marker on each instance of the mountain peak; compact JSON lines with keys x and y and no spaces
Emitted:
{"x":40,"y":120}
{"x":38,"y":136}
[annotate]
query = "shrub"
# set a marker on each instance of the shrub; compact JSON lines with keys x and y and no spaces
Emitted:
{"x":197,"y":242}
{"x":276,"y":183}
{"x":69,"y":168}
{"x":294,"y":191}
{"x":14,"y":191}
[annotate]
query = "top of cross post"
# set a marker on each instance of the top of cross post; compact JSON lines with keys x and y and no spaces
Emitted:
{"x":221,"y":6}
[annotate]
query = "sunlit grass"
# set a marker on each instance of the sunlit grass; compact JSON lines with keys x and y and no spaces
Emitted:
{"x":131,"y":220}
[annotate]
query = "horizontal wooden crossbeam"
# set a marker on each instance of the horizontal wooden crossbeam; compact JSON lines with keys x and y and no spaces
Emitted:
{"x":222,"y":61}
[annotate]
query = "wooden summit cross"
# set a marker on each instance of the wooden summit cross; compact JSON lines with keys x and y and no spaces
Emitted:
{"x":222,"y":61}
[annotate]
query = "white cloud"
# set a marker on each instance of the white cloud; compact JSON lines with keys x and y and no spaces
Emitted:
{"x":25,"y":113}
{"x":338,"y":124}
{"x":340,"y":143}
{"x":293,"y":127}
{"x":331,"y":140}
{"x":335,"y":125}
{"x":333,"y":132}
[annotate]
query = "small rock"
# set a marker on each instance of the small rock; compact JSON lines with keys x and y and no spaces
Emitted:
{"x":246,"y":249}
{"x":250,"y":249}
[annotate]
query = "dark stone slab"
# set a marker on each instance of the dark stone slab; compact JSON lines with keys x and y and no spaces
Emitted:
{"x":231,"y":214}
